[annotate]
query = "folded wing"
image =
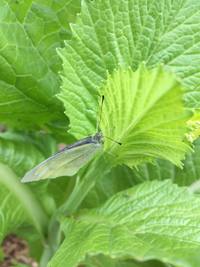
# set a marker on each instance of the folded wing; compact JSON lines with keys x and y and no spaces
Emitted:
{"x":66,"y":162}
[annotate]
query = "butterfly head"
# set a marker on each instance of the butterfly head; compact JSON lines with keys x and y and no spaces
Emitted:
{"x":98,"y":139}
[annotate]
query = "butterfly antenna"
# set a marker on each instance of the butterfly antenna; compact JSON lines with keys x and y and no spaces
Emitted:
{"x":98,"y":124}
{"x":113,"y":140}
{"x":108,"y":130}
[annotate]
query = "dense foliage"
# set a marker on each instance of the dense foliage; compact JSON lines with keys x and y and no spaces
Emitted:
{"x":140,"y":208}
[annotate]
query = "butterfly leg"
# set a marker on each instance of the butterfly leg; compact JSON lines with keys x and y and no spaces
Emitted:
{"x":104,"y":155}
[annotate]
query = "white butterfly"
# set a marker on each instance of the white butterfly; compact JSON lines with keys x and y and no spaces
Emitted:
{"x":69,"y":160}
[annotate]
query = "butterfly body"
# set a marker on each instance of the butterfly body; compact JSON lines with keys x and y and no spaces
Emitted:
{"x":67,"y":161}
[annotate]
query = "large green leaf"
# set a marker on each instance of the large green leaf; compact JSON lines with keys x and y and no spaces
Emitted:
{"x":127,"y":32}
{"x":29,"y":64}
{"x":123,"y":177}
{"x":146,"y":109}
{"x":154,"y":220}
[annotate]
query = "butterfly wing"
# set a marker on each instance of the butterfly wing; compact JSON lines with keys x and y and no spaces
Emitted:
{"x":66,"y":162}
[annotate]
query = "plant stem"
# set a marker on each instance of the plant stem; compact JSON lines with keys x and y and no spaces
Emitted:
{"x":46,"y":256}
{"x":93,"y":171}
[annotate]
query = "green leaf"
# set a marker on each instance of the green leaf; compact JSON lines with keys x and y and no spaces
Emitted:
{"x":59,"y":189}
{"x":60,"y":130}
{"x":161,"y":169}
{"x":154,"y":220}
{"x":192,"y":100}
{"x":18,"y":206}
{"x":146,"y":109}
{"x":106,"y":261}
{"x":29,"y":64}
{"x":149,"y":120}
{"x":107,"y":33}
{"x":23,"y":150}
{"x":17,"y":147}
{"x":151,"y":263}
